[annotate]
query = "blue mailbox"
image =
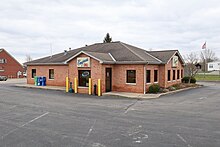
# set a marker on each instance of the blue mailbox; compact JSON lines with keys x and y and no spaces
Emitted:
{"x":43,"y":81}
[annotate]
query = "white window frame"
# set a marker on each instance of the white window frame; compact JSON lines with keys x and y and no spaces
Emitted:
{"x":127,"y":75}
{"x":157,"y":76}
{"x":53,"y":74}
{"x":150,"y":77}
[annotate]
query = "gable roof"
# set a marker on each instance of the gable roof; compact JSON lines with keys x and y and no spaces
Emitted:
{"x":3,"y":50}
{"x":166,"y":55}
{"x":111,"y":53}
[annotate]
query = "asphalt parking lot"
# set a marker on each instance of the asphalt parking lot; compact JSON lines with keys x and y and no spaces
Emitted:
{"x":47,"y":118}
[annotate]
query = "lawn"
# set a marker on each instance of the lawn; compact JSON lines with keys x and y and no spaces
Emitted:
{"x":202,"y":77}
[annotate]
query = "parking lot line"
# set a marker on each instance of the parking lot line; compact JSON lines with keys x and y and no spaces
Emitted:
{"x":24,"y":125}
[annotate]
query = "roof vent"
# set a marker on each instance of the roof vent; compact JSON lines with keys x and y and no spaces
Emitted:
{"x":69,"y":48}
{"x":65,"y":52}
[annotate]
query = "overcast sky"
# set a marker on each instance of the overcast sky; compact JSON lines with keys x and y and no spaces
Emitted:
{"x":30,"y":27}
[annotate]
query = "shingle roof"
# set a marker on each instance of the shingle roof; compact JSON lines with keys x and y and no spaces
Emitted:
{"x":114,"y":52}
{"x":163,"y":55}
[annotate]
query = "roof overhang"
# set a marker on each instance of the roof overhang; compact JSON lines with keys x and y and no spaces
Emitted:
{"x":44,"y":64}
{"x":177,"y":52}
{"x":82,"y":52}
{"x":132,"y":62}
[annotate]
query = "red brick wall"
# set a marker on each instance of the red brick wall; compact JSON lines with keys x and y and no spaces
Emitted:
{"x":60,"y":73}
{"x":98,"y":72}
{"x":119,"y":78}
{"x":169,"y":67}
{"x":104,"y":78}
{"x":95,"y":69}
{"x":10,"y":68}
{"x":152,"y":68}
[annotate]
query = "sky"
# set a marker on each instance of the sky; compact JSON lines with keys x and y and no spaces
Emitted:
{"x":41,"y":27}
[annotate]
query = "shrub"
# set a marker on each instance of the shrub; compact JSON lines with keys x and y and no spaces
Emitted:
{"x":186,"y":80}
{"x":193,"y":80}
{"x":177,"y":86}
{"x":155,"y":88}
{"x":171,"y":88}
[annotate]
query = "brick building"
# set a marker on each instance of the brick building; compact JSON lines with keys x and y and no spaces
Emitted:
{"x":120,"y":66}
{"x":9,"y":66}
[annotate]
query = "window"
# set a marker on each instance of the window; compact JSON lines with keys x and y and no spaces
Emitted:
{"x":33,"y":73}
{"x":131,"y":76}
{"x":174,"y":75}
{"x":210,"y":65}
{"x":155,"y":75}
{"x":84,"y":76}
{"x":178,"y":74}
{"x":181,"y":73}
{"x":1,"y":69}
{"x":51,"y":73}
{"x":3,"y":61}
{"x":148,"y":76}
{"x":168,"y":75}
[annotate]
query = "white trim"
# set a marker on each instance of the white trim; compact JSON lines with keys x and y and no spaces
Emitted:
{"x":12,"y":57}
{"x":111,"y":57}
{"x":82,"y":87}
{"x":83,"y":52}
{"x":175,"y":75}
{"x":150,"y":76}
{"x":153,"y":56}
{"x":134,"y":84}
{"x":178,"y":55}
{"x":126,"y":77}
{"x":157,"y":75}
{"x":171,"y":57}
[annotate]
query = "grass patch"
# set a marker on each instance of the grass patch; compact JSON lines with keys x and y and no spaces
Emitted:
{"x":202,"y":77}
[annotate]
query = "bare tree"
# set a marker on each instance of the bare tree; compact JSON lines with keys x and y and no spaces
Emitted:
{"x":28,"y":58}
{"x":207,"y":56}
{"x":191,"y":60}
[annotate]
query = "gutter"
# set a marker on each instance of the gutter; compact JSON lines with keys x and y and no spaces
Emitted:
{"x":131,"y":62}
{"x":46,"y":64}
{"x":145,"y":78}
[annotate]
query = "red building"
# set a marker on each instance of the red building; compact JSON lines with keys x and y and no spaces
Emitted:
{"x":9,"y":66}
{"x":120,"y":66}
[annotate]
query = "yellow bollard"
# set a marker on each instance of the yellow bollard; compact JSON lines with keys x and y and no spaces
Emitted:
{"x":99,"y":88}
{"x":90,"y":86}
{"x":67,"y":84}
{"x":75,"y":85}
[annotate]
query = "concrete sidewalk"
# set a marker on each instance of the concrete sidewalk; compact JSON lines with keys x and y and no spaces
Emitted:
{"x":120,"y":94}
{"x":41,"y":87}
{"x":133,"y":95}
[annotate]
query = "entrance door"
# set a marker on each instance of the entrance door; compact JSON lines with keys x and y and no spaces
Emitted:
{"x":108,"y":79}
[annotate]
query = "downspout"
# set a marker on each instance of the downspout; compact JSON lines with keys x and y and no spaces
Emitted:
{"x":145,"y":78}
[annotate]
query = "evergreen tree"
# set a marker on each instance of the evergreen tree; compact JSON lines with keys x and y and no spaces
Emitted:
{"x":107,"y":38}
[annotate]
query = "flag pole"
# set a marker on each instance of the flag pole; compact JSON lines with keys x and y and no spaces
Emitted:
{"x":204,"y":47}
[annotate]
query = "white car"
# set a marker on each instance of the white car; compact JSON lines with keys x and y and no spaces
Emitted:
{"x":24,"y":74}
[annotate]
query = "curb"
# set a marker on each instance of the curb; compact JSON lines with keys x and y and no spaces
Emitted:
{"x":22,"y":86}
{"x":154,"y":96}
{"x":179,"y":90}
{"x":209,"y":81}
